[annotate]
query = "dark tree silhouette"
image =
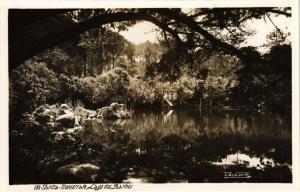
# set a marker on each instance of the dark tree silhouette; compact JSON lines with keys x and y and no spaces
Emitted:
{"x":32,"y":31}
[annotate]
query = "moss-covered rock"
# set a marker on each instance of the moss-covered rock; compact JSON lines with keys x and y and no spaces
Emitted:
{"x":78,"y":172}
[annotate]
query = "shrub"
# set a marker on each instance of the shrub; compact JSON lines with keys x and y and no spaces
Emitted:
{"x":216,"y":87}
{"x":31,"y":85}
{"x":67,"y":88}
{"x":152,"y":91}
{"x":141,"y":92}
{"x":109,"y":87}
{"x":185,"y":87}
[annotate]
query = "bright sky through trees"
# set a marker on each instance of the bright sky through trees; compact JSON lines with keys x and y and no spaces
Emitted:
{"x":145,"y":31}
{"x":141,"y":32}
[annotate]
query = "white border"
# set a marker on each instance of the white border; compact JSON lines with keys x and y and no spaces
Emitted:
{"x":145,"y":3}
{"x":4,"y":6}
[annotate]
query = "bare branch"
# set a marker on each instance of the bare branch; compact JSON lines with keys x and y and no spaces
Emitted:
{"x":275,"y":25}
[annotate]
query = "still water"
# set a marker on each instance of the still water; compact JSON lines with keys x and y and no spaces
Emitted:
{"x":192,"y":146}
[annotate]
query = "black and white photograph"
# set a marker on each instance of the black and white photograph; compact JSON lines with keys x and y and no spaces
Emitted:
{"x":150,"y":95}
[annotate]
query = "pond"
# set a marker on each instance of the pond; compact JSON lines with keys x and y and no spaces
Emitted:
{"x":176,"y":146}
{"x":186,"y":145}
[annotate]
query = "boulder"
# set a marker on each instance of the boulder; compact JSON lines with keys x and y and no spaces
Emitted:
{"x":86,"y":172}
{"x":67,"y":120}
{"x":48,"y":123}
{"x":107,"y":113}
{"x":117,"y":106}
{"x":76,"y":131}
{"x":39,"y":123}
{"x":63,"y":109}
{"x":114,"y":111}
{"x":78,"y":121}
{"x":85,"y":113}
{"x":57,"y":136}
{"x":44,"y":114}
{"x":64,"y":137}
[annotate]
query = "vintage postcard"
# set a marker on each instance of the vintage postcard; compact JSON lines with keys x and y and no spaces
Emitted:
{"x":156,"y":95}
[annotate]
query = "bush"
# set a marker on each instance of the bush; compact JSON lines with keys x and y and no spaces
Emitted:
{"x":103,"y":89}
{"x":67,"y":88}
{"x":31,"y":85}
{"x":141,"y":92}
{"x":152,"y":91}
{"x":185,"y":87}
{"x":217,"y":87}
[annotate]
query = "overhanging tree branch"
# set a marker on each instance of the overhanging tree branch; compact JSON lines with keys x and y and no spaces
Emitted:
{"x":18,"y":52}
{"x":194,"y":25}
{"x":70,"y":31}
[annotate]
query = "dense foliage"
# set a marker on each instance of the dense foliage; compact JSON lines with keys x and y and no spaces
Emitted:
{"x":113,"y":86}
{"x":266,"y":82}
{"x":31,"y":85}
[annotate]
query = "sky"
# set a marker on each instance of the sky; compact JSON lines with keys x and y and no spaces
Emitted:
{"x":144,"y":31}
{"x":141,"y":32}
{"x":263,"y":28}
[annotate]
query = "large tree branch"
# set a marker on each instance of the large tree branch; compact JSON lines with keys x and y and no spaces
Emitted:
{"x":18,"y":54}
{"x":217,"y":10}
{"x":194,"y":26}
{"x":271,"y":10}
{"x":20,"y":49}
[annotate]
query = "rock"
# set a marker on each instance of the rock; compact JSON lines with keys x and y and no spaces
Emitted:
{"x":54,"y":126}
{"x":85,"y":113}
{"x":67,"y":120}
{"x":107,"y":113}
{"x":47,"y":123}
{"x":57,"y":136}
{"x":64,"y":109}
{"x":63,"y":137}
{"x":44,"y":114}
{"x":114,"y":111}
{"x":37,"y":125}
{"x":76,"y":131}
{"x":78,"y":121}
{"x":117,"y":106}
{"x":64,"y":106}
{"x":78,"y":172}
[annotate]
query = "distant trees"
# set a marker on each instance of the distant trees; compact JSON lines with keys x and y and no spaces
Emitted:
{"x":96,"y":51}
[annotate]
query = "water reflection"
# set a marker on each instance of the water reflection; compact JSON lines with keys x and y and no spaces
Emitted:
{"x":244,"y":159}
{"x":189,"y":146}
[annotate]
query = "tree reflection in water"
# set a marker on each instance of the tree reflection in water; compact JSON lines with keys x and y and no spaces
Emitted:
{"x":189,"y":146}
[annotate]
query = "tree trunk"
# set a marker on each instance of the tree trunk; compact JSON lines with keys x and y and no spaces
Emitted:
{"x":113,"y":62}
{"x":84,"y":63}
